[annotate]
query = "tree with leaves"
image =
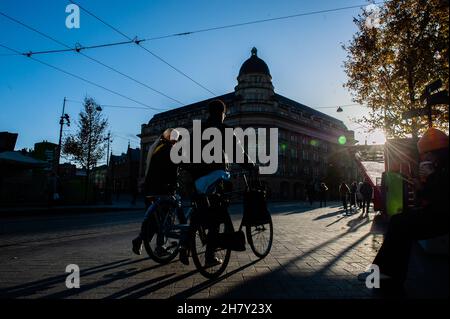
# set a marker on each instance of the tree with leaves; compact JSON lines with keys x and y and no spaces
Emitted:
{"x":398,"y":49}
{"x":87,"y":146}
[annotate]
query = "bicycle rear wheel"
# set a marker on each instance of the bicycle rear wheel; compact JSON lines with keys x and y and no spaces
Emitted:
{"x":199,"y":237}
{"x":260,"y":238}
{"x":163,"y":240}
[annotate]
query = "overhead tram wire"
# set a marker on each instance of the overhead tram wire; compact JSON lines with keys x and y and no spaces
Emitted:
{"x":87,"y":56}
{"x":80,"y":48}
{"x":83,"y":79}
{"x":297,"y":15}
{"x":113,"y":106}
{"x":138,"y":42}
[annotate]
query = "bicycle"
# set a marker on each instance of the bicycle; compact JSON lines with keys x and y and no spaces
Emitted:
{"x":256,"y":219}
{"x":208,"y":224}
{"x":164,"y":229}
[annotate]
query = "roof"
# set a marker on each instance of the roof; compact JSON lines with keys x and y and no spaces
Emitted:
{"x":254,"y":65}
{"x":17,"y":158}
{"x":310,"y":110}
{"x":230,"y":97}
{"x":194,"y":106}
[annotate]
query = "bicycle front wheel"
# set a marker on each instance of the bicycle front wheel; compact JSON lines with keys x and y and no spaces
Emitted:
{"x":260,"y":238}
{"x":203,"y":247}
{"x":163,"y":240}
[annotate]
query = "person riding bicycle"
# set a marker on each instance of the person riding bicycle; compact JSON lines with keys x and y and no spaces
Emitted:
{"x":202,"y":172}
{"x":160,"y":179}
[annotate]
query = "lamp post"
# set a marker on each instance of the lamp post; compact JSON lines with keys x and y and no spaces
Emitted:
{"x":64,"y":119}
{"x":107,"y":152}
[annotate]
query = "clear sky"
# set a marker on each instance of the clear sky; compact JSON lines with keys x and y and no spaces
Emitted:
{"x":304,"y":55}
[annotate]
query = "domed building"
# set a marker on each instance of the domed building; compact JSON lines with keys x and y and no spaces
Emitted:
{"x":309,"y":147}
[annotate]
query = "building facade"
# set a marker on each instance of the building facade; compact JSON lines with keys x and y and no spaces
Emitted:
{"x":312,"y":146}
{"x":124,"y":171}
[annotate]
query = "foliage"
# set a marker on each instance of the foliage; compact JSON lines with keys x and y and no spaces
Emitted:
{"x":87,"y":145}
{"x":390,"y":62}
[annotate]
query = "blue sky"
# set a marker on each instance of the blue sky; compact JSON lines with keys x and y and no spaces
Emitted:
{"x":304,"y":55}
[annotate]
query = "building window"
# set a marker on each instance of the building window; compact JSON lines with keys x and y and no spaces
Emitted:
{"x":316,"y":156}
{"x":305,"y":155}
{"x":305,"y":140}
{"x":282,"y":147}
{"x":316,"y":171}
{"x":294,"y":153}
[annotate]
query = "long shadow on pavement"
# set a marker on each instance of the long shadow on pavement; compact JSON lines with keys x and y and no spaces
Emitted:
{"x":135,"y":292}
{"x":328,"y":215}
{"x":28,"y":289}
{"x":198,"y":288}
{"x":282,"y":283}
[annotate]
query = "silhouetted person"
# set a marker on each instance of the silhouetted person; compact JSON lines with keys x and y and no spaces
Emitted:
{"x":160,"y":179}
{"x":343,"y":194}
{"x":53,"y":189}
{"x":366,"y":192}
{"x":359,"y":197}
{"x":217,"y":111}
{"x":353,"y":190}
{"x":133,"y":190}
{"x":429,"y":221}
{"x":323,"y":194}
{"x":311,"y":193}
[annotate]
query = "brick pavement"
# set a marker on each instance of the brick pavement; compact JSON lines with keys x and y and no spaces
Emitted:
{"x":316,"y":253}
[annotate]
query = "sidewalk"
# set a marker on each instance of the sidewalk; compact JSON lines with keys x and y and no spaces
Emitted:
{"x":19,"y":211}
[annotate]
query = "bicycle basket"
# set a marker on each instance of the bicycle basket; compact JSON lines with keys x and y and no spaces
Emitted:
{"x":210,"y":216}
{"x":232,"y":240}
{"x":255,"y":208}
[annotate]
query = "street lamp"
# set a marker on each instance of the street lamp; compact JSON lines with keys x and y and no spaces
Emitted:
{"x":64,"y":119}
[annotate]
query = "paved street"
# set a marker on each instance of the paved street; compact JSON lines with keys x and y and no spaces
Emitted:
{"x":317,"y":253}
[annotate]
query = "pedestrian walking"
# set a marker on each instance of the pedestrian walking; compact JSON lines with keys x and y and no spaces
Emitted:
{"x":353,"y":190}
{"x":359,"y":197}
{"x":366,"y":192}
{"x":344,"y":191}
{"x":323,"y":194}
{"x":310,"y":191}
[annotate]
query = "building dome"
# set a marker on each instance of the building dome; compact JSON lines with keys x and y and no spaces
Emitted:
{"x":254,"y":65}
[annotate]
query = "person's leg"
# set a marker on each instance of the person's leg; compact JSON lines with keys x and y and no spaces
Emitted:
{"x":144,"y":231}
{"x":211,"y":240}
{"x":393,"y":256}
{"x":366,"y":206}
